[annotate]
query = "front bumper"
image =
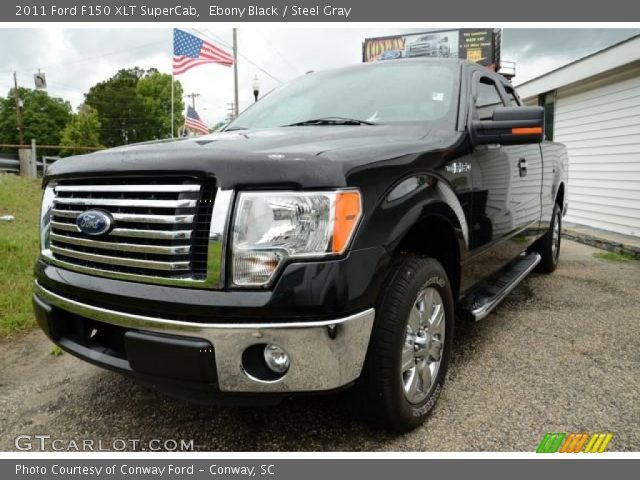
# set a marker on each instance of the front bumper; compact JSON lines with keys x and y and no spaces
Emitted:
{"x":324,"y":355}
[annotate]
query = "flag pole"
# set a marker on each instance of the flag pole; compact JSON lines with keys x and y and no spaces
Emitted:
{"x":173,"y":41}
{"x":236,"y":108}
{"x":172,"y":95}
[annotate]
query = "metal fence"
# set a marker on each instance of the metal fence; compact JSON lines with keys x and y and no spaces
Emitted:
{"x":10,"y":164}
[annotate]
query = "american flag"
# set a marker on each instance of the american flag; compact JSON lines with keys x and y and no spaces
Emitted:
{"x":190,"y":51}
{"x":193,"y":121}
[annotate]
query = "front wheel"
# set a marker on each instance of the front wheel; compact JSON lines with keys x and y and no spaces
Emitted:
{"x":410,"y":345}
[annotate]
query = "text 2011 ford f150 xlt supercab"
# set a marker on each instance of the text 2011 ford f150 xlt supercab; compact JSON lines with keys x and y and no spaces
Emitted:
{"x":328,"y":238}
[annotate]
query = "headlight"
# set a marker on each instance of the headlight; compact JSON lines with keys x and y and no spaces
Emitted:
{"x":271,"y":227}
{"x":45,"y":214}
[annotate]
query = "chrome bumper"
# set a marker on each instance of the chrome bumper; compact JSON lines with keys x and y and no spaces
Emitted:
{"x":324,"y":355}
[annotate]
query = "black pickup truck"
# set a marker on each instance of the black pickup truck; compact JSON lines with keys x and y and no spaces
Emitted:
{"x":328,"y":238}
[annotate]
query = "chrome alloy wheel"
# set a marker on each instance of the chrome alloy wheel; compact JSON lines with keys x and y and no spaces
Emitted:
{"x":555,"y":241}
{"x":424,"y":341}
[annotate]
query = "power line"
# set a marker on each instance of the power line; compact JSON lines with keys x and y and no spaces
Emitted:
{"x":84,"y":59}
{"x":216,"y":38}
{"x":59,"y":86}
{"x":277,"y":52}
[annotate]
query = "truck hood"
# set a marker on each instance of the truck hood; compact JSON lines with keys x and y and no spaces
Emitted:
{"x":310,"y":156}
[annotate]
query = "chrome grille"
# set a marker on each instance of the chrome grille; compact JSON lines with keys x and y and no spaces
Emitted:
{"x":160,"y":232}
{"x":422,"y":49}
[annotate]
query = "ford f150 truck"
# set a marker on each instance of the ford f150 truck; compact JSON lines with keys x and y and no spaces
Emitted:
{"x":428,"y":46}
{"x":328,"y":238}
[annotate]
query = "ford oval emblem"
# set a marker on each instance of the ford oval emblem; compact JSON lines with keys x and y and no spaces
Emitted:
{"x":94,"y":222}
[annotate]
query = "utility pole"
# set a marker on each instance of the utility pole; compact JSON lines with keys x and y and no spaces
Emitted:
{"x":18,"y":118}
{"x":231,"y":109}
{"x":235,"y":73}
{"x":193,"y":97}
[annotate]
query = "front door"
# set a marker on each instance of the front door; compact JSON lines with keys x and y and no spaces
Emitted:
{"x":506,"y":181}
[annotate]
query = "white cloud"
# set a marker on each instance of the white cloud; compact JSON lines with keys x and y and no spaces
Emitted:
{"x":75,"y":59}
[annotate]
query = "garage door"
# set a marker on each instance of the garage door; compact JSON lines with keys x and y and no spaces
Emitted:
{"x":599,"y":122}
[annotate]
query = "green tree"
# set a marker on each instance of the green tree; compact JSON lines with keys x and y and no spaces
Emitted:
{"x":155,"y":89}
{"x":135,"y":106}
{"x":43,"y":117}
{"x":82,"y":130}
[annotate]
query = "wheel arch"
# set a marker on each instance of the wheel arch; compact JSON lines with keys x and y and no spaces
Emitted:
{"x":560,"y":197}
{"x":436,"y":234}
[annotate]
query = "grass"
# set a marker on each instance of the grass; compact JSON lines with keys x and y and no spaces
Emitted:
{"x":614,"y":256}
{"x":19,"y":244}
{"x":56,"y":351}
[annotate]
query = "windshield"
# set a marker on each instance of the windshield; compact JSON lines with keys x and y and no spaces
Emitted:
{"x":389,"y":92}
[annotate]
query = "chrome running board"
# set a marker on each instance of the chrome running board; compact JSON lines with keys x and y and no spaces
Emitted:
{"x":479,"y":303}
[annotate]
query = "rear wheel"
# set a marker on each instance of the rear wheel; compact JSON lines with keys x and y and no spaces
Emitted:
{"x":548,"y":246}
{"x":410,"y":346}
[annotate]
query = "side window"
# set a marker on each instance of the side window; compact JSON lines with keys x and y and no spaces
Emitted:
{"x":511,"y":96}
{"x":488,"y":99}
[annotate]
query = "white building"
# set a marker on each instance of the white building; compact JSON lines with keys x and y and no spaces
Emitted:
{"x":592,"y":105}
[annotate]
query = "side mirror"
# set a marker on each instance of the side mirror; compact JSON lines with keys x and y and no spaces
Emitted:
{"x":510,"y":126}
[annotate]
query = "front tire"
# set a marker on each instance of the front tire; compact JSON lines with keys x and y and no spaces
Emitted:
{"x":410,"y":345}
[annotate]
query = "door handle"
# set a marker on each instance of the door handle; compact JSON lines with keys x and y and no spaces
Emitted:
{"x":522,"y":166}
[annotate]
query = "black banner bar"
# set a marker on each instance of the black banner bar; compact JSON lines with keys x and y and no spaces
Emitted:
{"x":317,"y":11}
{"x":318,"y":469}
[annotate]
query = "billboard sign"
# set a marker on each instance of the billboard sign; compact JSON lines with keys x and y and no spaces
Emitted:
{"x":480,"y":45}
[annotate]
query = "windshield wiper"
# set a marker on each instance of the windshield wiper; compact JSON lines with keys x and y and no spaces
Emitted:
{"x":331,"y":121}
{"x":233,"y":129}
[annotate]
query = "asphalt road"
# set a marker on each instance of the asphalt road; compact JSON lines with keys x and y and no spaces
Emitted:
{"x":560,"y":354}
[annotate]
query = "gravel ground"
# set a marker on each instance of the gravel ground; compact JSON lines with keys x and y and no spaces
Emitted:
{"x":561,"y":353}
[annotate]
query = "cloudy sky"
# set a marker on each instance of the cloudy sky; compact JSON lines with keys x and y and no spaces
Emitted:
{"x":75,"y":59}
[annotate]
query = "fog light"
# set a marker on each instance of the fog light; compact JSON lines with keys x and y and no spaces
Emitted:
{"x":276,"y":358}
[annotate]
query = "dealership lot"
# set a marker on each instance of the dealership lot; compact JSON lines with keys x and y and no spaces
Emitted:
{"x":561,"y":354}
